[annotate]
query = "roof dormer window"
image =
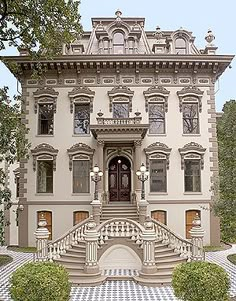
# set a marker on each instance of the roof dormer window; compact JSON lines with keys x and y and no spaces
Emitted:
{"x":180,"y":46}
{"x":118,"y":43}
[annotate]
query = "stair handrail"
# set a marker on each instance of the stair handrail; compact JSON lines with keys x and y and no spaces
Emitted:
{"x":55,"y":249}
{"x":180,"y":245}
{"x":119,"y":227}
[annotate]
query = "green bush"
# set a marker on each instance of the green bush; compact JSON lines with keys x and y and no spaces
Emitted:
{"x":200,"y":281}
{"x":40,"y":282}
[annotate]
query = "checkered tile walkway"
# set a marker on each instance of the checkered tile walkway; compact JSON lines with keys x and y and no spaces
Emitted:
{"x":116,"y":290}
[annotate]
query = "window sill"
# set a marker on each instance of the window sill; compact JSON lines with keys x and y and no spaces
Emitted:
{"x":150,"y":135}
{"x":81,"y":194}
{"x":44,"y":135}
{"x":192,"y":193}
{"x":158,"y":193}
{"x":81,"y":135}
{"x":44,"y":194}
{"x":190,"y":135}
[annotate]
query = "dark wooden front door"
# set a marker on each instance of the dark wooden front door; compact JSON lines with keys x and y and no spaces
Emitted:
{"x":119,"y":179}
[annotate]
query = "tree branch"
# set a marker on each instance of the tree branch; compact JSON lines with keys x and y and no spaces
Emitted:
{"x":4,"y":7}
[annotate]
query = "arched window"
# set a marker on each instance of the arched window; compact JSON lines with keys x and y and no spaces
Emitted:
{"x":48,"y":216}
{"x":118,"y":43}
{"x":160,"y":216}
{"x":79,"y":216}
{"x":180,"y":46}
{"x":189,"y":217}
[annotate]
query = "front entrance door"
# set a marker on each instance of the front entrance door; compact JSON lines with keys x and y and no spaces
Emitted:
{"x":119,"y":179}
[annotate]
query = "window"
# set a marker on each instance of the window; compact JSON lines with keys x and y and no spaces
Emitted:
{"x":118,"y":43}
{"x":180,"y":46}
{"x":189,"y":217}
{"x":158,"y":176}
{"x":81,"y":118}
{"x":131,"y":46}
{"x":156,"y":118}
{"x":159,"y":215}
{"x":17,"y":186}
{"x":81,"y":178}
{"x":190,"y":118}
{"x":45,"y":119}
{"x":105,"y":46}
{"x":45,"y":176}
{"x":120,"y":110}
{"x":192,"y":176}
{"x":48,"y":216}
{"x":79,"y":216}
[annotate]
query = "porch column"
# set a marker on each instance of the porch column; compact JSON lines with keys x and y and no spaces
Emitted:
{"x":137,"y":145}
{"x":100,"y":159}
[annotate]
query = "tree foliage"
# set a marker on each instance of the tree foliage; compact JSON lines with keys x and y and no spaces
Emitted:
{"x":38,"y":25}
{"x":13,"y":146}
{"x":226,"y":205}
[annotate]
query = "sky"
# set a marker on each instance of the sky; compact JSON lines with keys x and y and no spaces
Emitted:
{"x":196,"y":16}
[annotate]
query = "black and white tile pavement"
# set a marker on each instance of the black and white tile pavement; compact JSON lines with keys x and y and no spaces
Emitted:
{"x":115,"y":290}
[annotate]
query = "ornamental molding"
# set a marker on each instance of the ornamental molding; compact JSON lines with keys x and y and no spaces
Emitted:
{"x":156,"y":94}
{"x":82,"y":95}
{"x":42,"y":150}
{"x":121,"y":94}
{"x":193,"y":151}
{"x":158,"y":150}
{"x":45,"y":95}
{"x":190,"y":94}
{"x":80,"y":151}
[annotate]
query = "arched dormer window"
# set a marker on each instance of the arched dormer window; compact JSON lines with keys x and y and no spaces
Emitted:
{"x":118,"y":43}
{"x":130,"y":45}
{"x":180,"y":46}
{"x":105,"y":43}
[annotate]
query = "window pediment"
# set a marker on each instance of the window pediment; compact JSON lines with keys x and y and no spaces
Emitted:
{"x":44,"y":151}
{"x":156,"y":94}
{"x":190,"y":94}
{"x":193,"y":151}
{"x":45,"y":95}
{"x":80,"y":151}
{"x":158,"y":150}
{"x":81,"y":95}
{"x":121,"y":94}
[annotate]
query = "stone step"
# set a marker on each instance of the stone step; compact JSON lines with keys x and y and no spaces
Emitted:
{"x":79,"y":252}
{"x":163,"y":250}
{"x":170,"y":261}
{"x":153,"y":282}
{"x":69,"y":259}
{"x":159,"y":256}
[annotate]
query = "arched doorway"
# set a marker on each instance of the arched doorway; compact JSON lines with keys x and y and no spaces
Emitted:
{"x":119,"y":180}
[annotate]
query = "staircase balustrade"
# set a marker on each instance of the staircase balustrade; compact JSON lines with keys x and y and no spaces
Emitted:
{"x":55,"y":249}
{"x":119,"y":227}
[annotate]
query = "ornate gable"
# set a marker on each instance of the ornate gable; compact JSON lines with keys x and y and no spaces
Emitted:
{"x":81,"y":95}
{"x":121,"y":94}
{"x":156,"y":94}
{"x":45,"y":95}
{"x":44,"y":151}
{"x":193,"y":151}
{"x":158,"y":150}
{"x":80,"y":151}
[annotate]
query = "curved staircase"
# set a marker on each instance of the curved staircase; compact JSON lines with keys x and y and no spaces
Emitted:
{"x":119,"y":226}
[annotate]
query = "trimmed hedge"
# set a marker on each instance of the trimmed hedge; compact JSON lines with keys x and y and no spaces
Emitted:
{"x":200,"y":281}
{"x":41,"y":281}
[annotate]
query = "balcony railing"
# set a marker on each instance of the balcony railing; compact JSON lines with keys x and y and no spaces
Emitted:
{"x":119,"y":121}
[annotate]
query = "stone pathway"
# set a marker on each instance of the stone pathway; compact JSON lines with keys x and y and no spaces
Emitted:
{"x":115,"y":290}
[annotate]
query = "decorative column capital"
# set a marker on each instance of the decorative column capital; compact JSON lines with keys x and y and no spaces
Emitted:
{"x":138,"y":143}
{"x":101,"y":143}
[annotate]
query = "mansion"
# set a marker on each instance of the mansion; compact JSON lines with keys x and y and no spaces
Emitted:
{"x":119,"y":98}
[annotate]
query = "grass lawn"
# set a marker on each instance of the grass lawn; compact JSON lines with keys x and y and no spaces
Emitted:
{"x":5,"y":259}
{"x":213,"y":248}
{"x":24,"y":250}
{"x":232,"y":258}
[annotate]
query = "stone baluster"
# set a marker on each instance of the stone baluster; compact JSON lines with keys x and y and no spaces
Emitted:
{"x":42,"y":235}
{"x":197,"y":235}
{"x":91,"y":239}
{"x":148,"y":237}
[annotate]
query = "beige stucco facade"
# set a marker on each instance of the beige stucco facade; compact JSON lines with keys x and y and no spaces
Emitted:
{"x":153,"y":64}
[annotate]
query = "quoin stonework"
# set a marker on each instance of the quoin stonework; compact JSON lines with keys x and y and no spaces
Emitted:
{"x":116,"y":98}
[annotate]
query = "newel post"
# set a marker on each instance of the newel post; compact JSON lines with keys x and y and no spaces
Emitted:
{"x":42,"y":235}
{"x":149,"y":236}
{"x":91,"y":239}
{"x":197,"y":235}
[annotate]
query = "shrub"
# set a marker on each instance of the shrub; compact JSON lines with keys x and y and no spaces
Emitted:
{"x":40,"y":282}
{"x":203,"y":281}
